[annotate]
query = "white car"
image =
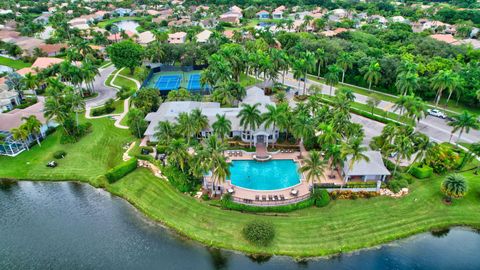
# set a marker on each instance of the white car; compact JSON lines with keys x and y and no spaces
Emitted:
{"x":437,"y":113}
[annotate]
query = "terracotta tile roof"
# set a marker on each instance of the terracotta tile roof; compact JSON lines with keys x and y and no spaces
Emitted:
{"x":45,"y":62}
{"x":13,"y":119}
{"x":52,"y":48}
{"x":25,"y":71}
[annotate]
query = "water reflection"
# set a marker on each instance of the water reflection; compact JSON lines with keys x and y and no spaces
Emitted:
{"x":74,"y":226}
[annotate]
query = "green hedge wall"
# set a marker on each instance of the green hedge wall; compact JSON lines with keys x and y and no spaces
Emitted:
{"x":121,"y":170}
{"x":421,"y":172}
{"x":228,"y":204}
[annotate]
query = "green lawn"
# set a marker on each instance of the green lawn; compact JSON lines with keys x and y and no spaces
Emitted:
{"x":86,"y":160}
{"x":137,"y":74}
{"x":121,"y":81}
{"x":342,"y":226}
{"x":102,"y":24}
{"x":119,"y":108}
{"x":15,"y":64}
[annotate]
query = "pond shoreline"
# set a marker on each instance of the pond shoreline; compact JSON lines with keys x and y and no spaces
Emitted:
{"x":298,"y":256}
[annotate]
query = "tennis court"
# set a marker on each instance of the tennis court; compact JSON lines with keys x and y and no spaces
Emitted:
{"x":168,"y":82}
{"x":194,"y":82}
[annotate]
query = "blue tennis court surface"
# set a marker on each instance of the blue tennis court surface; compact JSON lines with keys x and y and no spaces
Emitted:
{"x":168,"y":82}
{"x":194,"y":82}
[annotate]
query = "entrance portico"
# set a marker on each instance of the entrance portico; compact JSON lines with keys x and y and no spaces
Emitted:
{"x":260,"y":137}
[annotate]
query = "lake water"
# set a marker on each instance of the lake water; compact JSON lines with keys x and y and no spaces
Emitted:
{"x":128,"y":26}
{"x":74,"y":226}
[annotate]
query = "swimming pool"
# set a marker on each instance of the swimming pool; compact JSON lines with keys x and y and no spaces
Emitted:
{"x":270,"y":175}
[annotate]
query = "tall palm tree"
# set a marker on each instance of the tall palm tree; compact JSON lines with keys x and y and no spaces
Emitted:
{"x":328,"y":135}
{"x":372,"y":73}
{"x":185,"y":126}
{"x":164,"y":132}
{"x":345,"y":61}
{"x":314,"y":167}
{"x":223,"y":95}
{"x":332,"y":76}
{"x":308,"y":66}
{"x":250,"y":118}
{"x":78,"y":105}
{"x":463,"y":122}
{"x":222,"y":126}
{"x":421,"y":146}
{"x":334,"y":154}
{"x":271,"y":118}
{"x":177,"y":152}
{"x":354,"y":150}
{"x":407,"y":83}
{"x":403,"y":146}
{"x":321,"y":59}
{"x":32,"y":126}
{"x":199,"y":120}
{"x":443,"y":80}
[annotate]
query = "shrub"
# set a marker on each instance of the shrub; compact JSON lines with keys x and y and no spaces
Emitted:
{"x":59,"y":154}
{"x":145,"y":150}
{"x":121,"y":170}
{"x":421,"y":172}
{"x":161,"y":149}
{"x":228,"y":204}
{"x":454,"y":186}
{"x":125,"y":92}
{"x":180,"y":180}
{"x":259,"y":232}
{"x":321,"y":197}
{"x":348,"y":194}
{"x":396,"y":185}
{"x":442,"y":158}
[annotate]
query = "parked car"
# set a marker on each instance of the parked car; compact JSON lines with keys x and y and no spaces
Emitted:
{"x":437,"y":113}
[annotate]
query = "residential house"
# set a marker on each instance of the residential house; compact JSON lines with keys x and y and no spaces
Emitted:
{"x":43,"y":18}
{"x":53,"y":49}
{"x":378,"y":18}
{"x":177,"y":38}
{"x":8,"y":99}
{"x":209,"y":23}
{"x":229,"y":19}
{"x":278,"y":12}
{"x":228,"y":34}
{"x":203,"y":36}
{"x":398,"y":19}
{"x":263,"y":15}
{"x":79,"y":23}
{"x":180,"y":22}
{"x":122,"y":12}
{"x":237,"y":10}
{"x":13,"y":119}
{"x":45,"y":62}
{"x":372,"y":170}
{"x":145,"y":38}
{"x":118,"y":36}
{"x":169,"y":111}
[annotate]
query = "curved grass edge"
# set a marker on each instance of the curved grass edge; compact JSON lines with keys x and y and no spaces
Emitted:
{"x":136,"y":202}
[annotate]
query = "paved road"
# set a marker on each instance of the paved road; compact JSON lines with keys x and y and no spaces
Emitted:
{"x":104,"y":92}
{"x":436,"y":128}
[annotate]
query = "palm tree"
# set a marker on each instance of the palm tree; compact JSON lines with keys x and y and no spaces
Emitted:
{"x":332,"y":76}
{"x":354,"y":150}
{"x":328,"y":135}
{"x":475,"y":149}
{"x":199,"y":120}
{"x":348,"y":93}
{"x":250,"y":118}
{"x":407,"y":83}
{"x":456,"y":83}
{"x":403,"y":146}
{"x":373,"y":102}
{"x":309,"y":66}
{"x":78,"y":104}
{"x":222,"y":126}
{"x":314,"y":167}
{"x":454,"y":186}
{"x":321,"y":58}
{"x":443,"y":80}
{"x":463,"y":122}
{"x":32,"y":126}
{"x":372,"y":74}
{"x":334,"y":154}
{"x":223,"y":96}
{"x":345,"y":61}
{"x":185,"y":126}
{"x":271,"y":118}
{"x":164,"y":132}
{"x":422,"y":145}
{"x":20,"y":134}
{"x":177,"y":151}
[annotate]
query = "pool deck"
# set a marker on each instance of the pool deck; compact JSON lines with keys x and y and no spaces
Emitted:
{"x":249,"y":196}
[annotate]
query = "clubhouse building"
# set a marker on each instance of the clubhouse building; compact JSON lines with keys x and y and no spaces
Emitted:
{"x":169,"y":111}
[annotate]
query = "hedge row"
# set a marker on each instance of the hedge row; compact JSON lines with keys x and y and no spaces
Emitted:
{"x":121,"y":170}
{"x":421,"y":172}
{"x":365,"y":113}
{"x":228,"y":204}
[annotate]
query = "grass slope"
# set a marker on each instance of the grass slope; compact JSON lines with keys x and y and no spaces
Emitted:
{"x":86,"y":160}
{"x":342,"y":226}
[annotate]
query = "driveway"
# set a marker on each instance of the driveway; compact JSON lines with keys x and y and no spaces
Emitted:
{"x":104,"y":92}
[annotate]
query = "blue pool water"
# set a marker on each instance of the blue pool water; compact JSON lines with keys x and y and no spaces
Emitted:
{"x":270,"y":175}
